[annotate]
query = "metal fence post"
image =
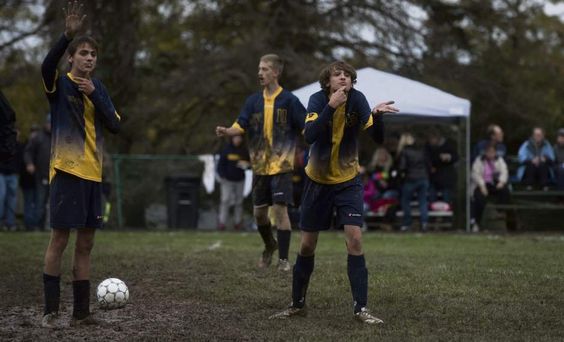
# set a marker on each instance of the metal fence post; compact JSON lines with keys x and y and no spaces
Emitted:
{"x":118,"y":189}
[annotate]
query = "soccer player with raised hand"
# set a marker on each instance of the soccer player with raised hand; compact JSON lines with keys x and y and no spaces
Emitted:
{"x":336,"y":115}
{"x":272,"y":120}
{"x":80,"y":109}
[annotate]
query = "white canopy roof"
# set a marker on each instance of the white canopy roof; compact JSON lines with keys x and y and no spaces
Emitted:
{"x":411,"y":97}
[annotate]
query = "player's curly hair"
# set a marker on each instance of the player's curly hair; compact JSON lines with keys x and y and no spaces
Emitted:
{"x":325,"y":75}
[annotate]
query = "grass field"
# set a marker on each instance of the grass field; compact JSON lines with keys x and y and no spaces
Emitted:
{"x":204,"y":286}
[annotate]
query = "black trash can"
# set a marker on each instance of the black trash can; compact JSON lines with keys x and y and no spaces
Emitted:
{"x":183,"y":194}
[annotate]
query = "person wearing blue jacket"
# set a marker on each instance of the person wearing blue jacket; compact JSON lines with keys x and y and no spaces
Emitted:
{"x":233,"y":160}
{"x":80,"y":111}
{"x":336,"y":116}
{"x":272,"y":120}
{"x":536,"y":157}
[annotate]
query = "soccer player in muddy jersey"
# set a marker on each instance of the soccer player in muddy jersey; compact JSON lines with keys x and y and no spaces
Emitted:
{"x":336,"y":115}
{"x":272,"y":119}
{"x":80,"y":110}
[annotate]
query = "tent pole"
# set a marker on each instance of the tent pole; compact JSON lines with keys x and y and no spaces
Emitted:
{"x":468,"y":174}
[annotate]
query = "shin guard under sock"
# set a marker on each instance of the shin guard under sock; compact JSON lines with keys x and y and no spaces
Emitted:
{"x":358,"y":278}
{"x":81,"y":294}
{"x":300,"y":280}
{"x":52,"y":293}
{"x":283,"y":243}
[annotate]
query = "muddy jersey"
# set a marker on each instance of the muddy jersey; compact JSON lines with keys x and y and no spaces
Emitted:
{"x":333,"y":135}
{"x":77,"y":120}
{"x":272,"y":124}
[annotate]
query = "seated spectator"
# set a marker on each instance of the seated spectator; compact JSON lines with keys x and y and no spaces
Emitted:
{"x":495,"y":136}
{"x":536,"y":157}
{"x":383,"y":174}
{"x":559,"y":160}
{"x":489,"y":180}
{"x":443,"y":155}
{"x":376,"y":200}
{"x":414,"y":164}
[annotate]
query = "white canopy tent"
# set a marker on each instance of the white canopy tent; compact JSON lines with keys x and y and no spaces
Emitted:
{"x":412,"y":97}
{"x":417,"y":102}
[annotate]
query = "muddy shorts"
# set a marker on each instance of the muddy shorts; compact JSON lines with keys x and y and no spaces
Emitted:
{"x":274,"y":189}
{"x":320,"y":201}
{"x":75,"y":202}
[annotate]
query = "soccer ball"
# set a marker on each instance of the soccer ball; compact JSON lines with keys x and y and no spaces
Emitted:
{"x":112,"y":293}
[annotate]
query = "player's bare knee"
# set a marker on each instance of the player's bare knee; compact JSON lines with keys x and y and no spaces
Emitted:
{"x":307,"y":247}
{"x":281,"y":215}
{"x":354,"y":245}
{"x":58,"y":246}
{"x":58,"y":242}
{"x":84,"y":247}
{"x":307,"y":250}
{"x":261,"y":215}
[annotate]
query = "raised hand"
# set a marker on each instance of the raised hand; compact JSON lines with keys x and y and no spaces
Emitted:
{"x":385,"y":107}
{"x":73,"y":18}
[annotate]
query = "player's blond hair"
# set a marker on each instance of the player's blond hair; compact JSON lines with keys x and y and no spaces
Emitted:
{"x":275,"y":60}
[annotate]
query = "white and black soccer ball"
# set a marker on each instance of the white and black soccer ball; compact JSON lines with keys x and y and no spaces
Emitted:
{"x":112,"y":293}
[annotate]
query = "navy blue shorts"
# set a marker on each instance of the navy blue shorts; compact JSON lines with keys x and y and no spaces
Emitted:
{"x":277,"y":189}
{"x":319,"y":201}
{"x":75,"y":202}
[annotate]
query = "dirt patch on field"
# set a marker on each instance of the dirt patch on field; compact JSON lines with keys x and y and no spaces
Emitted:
{"x":140,"y":321}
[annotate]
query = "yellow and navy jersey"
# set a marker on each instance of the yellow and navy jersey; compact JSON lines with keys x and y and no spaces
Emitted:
{"x":272,"y":124}
{"x":77,"y":120}
{"x":333,"y":136}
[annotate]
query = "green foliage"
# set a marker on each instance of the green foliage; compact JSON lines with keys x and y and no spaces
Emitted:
{"x":176,"y":69}
{"x":506,"y":57}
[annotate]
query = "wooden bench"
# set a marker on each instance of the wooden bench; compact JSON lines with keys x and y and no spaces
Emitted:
{"x":533,"y":209}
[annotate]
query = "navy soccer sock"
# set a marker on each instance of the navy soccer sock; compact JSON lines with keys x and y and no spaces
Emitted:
{"x":358,"y":277}
{"x":52,"y":293}
{"x":81,"y":294}
{"x":265,"y":231}
{"x":283,"y":243}
{"x":300,"y":280}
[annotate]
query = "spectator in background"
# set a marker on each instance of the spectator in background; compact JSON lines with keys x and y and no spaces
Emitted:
{"x":7,"y":129}
{"x":9,"y":190}
{"x":443,"y":155}
{"x":381,"y":161}
{"x":414,"y":164}
{"x":27,"y":185}
{"x":37,"y":157}
{"x":494,"y":136}
{"x":559,"y":160}
{"x":379,"y":182}
{"x":489,"y":180}
{"x":233,"y":160}
{"x":536,"y":157}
